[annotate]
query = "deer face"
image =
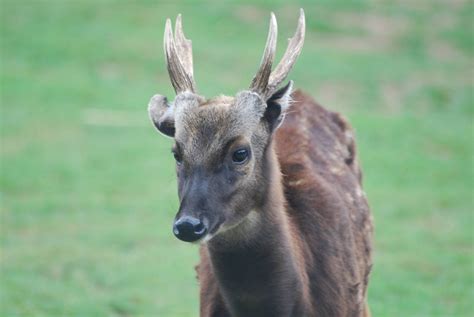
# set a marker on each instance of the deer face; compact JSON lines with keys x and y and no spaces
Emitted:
{"x":220,"y":143}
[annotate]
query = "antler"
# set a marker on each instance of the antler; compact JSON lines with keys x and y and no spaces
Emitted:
{"x":260,"y":81}
{"x":179,"y":58}
{"x":265,"y":81}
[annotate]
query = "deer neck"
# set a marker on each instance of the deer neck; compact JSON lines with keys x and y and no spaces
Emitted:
{"x":255,"y":263}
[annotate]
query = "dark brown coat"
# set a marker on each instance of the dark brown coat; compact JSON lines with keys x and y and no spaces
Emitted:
{"x":321,"y":255}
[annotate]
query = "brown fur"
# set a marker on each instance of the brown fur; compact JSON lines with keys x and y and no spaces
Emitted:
{"x":313,"y":255}
{"x":285,"y":225}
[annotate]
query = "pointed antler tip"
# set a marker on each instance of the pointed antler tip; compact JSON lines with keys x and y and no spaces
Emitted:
{"x":273,"y":18}
{"x":178,"y":56}
{"x":302,"y":17}
{"x":178,"y":19}
{"x":178,"y":27}
{"x":301,"y":23}
{"x":273,"y":21}
{"x":168,"y":31}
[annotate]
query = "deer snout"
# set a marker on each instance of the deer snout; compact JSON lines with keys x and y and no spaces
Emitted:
{"x":189,"y":229}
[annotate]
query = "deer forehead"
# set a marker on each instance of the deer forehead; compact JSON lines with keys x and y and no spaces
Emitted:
{"x":208,"y":124}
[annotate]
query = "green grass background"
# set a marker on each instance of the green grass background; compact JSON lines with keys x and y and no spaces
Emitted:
{"x":88,"y":191}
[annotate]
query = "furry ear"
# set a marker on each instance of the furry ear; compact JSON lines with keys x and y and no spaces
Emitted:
{"x":162,"y":115}
{"x":277,"y":105}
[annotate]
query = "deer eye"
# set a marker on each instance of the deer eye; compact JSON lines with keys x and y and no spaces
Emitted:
{"x":177,"y":157}
{"x":240,"y":156}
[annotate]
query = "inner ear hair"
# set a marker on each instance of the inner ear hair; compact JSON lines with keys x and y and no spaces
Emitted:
{"x":161,"y":114}
{"x":281,"y":93}
{"x":277,"y":104}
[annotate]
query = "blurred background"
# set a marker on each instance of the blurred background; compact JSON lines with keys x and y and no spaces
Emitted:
{"x":88,"y":190}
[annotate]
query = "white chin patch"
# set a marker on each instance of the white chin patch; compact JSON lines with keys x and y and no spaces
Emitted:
{"x":206,"y":238}
{"x":246,"y":224}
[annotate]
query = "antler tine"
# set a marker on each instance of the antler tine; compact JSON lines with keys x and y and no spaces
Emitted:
{"x":184,"y":46}
{"x":180,"y":78}
{"x":289,"y":58}
{"x":260,"y":81}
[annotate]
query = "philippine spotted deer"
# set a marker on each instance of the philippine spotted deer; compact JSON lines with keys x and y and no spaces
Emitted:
{"x":273,"y":196}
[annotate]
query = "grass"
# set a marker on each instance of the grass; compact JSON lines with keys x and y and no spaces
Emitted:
{"x":88,"y":190}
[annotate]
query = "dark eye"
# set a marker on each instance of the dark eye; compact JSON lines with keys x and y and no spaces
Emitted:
{"x":240,"y":156}
{"x":177,"y":157}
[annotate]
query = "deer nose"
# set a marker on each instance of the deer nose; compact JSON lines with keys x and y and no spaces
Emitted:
{"x":189,"y":229}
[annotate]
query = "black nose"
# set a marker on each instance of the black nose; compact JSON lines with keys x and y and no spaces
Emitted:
{"x":189,"y":229}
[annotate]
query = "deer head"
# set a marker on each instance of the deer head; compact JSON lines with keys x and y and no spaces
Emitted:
{"x":221,"y":143}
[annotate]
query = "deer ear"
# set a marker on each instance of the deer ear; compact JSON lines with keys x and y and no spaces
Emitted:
{"x":162,"y":115}
{"x":277,"y":105}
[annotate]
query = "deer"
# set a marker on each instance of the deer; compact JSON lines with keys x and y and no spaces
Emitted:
{"x":270,"y":187}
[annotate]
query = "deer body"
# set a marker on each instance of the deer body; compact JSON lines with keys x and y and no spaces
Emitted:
{"x":255,"y":270}
{"x":318,"y":262}
{"x":277,"y":205}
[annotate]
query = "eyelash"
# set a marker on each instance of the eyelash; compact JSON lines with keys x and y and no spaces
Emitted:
{"x":177,"y":157}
